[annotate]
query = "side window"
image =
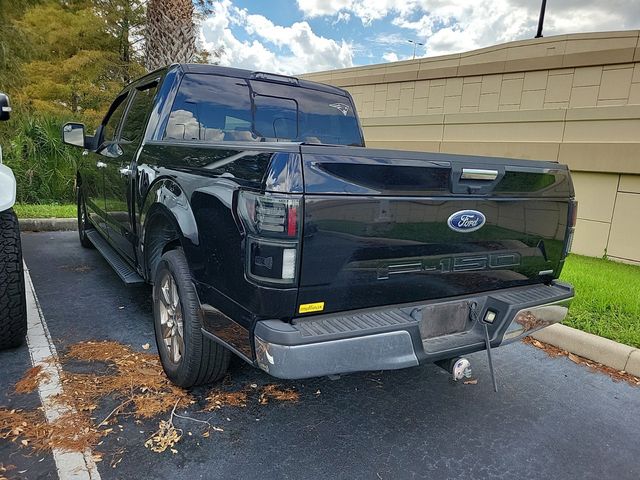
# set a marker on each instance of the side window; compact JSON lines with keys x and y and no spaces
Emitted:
{"x":211,"y":108}
{"x":113,"y":120}
{"x":135,"y":122}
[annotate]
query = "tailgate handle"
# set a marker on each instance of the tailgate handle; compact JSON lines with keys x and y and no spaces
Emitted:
{"x":478,"y":174}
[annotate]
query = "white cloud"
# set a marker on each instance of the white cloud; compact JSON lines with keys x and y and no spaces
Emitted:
{"x":450,"y":26}
{"x":297,"y":48}
{"x":390,"y":57}
{"x":342,"y":17}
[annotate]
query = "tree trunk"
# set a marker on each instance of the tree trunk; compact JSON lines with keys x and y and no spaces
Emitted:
{"x":171,"y":33}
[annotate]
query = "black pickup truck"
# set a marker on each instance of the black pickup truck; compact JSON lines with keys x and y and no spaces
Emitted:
{"x":267,"y":229}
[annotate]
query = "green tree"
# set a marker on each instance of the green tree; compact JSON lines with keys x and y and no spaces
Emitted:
{"x":125,"y":21}
{"x":14,"y":48}
{"x":78,"y":62}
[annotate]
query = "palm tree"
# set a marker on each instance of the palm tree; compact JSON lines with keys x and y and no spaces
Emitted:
{"x":171,"y":32}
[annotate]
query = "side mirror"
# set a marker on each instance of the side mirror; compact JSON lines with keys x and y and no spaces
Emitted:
{"x":73,"y":134}
{"x":5,"y":107}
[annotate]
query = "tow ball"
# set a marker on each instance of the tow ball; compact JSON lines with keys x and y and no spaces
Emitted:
{"x":459,"y":367}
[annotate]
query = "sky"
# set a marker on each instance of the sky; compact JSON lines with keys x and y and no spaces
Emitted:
{"x":301,"y":36}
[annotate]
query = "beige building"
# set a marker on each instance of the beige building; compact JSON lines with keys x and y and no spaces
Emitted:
{"x":573,"y":99}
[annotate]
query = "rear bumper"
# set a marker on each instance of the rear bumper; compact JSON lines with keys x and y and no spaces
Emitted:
{"x":400,"y":336}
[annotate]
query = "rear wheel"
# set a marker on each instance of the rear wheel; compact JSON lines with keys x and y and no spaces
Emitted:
{"x":84,"y":224}
{"x":188,"y":357}
{"x":13,"y":308}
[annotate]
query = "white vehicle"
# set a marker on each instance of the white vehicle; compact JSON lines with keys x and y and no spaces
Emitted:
{"x":13,"y":311}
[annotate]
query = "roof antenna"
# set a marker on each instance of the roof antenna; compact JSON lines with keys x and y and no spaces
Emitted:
{"x":543,"y":7}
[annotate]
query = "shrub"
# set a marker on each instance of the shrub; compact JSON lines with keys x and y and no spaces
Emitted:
{"x":43,"y":166}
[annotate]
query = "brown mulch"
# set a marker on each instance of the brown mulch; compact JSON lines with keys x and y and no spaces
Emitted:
{"x":135,"y":380}
{"x":132,"y":380}
{"x":218,"y":399}
{"x":274,"y":392}
{"x":552,"y":351}
{"x":30,"y":380}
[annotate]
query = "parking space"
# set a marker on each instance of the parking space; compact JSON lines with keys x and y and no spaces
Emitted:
{"x":550,"y":418}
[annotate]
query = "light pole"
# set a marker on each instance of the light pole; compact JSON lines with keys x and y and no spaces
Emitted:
{"x":415,"y":45}
{"x":543,"y":7}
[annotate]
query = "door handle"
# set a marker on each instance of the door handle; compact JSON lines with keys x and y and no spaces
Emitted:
{"x":478,"y":174}
{"x":101,"y":164}
{"x":126,"y":172}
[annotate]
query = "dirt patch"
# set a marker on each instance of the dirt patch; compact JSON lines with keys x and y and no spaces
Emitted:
{"x":552,"y":351}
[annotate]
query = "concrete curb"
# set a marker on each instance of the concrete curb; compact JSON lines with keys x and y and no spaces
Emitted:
{"x":47,"y":224}
{"x":601,"y":350}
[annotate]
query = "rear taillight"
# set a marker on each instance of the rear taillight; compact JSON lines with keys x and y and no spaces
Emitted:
{"x":571,"y":226}
{"x":573,"y":213}
{"x":269,"y":215}
{"x":272,"y":224}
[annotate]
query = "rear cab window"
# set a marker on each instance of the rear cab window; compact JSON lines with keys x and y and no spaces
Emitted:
{"x":217,"y":109}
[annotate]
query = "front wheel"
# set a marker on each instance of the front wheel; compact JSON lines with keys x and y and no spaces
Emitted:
{"x":188,"y":357}
{"x":13,"y":305}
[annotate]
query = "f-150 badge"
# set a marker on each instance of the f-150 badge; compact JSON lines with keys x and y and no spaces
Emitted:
{"x":466,"y":221}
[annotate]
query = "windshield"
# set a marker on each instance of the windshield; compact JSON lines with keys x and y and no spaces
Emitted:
{"x":216,"y":108}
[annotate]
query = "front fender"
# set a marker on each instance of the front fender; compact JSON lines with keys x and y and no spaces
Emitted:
{"x":170,"y":195}
{"x":7,"y":188}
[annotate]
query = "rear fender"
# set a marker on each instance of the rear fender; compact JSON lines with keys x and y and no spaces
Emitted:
{"x":166,"y":201}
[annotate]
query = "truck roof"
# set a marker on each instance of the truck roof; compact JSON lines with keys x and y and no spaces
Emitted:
{"x":256,"y":75}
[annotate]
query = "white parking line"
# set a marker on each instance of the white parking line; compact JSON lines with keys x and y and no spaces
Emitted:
{"x":70,"y":465}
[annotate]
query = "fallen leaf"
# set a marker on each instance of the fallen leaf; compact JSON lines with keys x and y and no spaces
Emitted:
{"x":573,"y":358}
{"x":205,"y":434}
{"x":146,"y":346}
{"x":471,"y":382}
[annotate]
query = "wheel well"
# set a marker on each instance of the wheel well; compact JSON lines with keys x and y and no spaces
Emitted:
{"x":161,"y":235}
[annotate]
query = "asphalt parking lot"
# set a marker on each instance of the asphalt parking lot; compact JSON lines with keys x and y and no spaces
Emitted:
{"x":550,"y":418}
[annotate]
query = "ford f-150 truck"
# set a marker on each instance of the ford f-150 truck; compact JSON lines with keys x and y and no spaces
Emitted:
{"x":267,"y":229}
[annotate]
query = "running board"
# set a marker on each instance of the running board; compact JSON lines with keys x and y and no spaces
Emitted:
{"x":126,"y":273}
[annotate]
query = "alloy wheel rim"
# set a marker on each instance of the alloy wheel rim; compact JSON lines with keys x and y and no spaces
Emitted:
{"x":171,"y":321}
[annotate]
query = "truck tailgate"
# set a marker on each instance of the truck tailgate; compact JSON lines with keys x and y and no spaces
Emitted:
{"x":387,"y":227}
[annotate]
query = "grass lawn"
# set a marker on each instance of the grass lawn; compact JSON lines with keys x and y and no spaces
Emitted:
{"x":607,"y":299}
{"x":28,"y":210}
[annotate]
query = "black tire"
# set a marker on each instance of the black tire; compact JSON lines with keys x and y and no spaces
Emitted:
{"x":84,"y":224}
{"x":13,"y":305}
{"x":202,"y":360}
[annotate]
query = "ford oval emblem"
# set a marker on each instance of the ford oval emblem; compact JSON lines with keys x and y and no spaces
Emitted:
{"x":466,"y":221}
